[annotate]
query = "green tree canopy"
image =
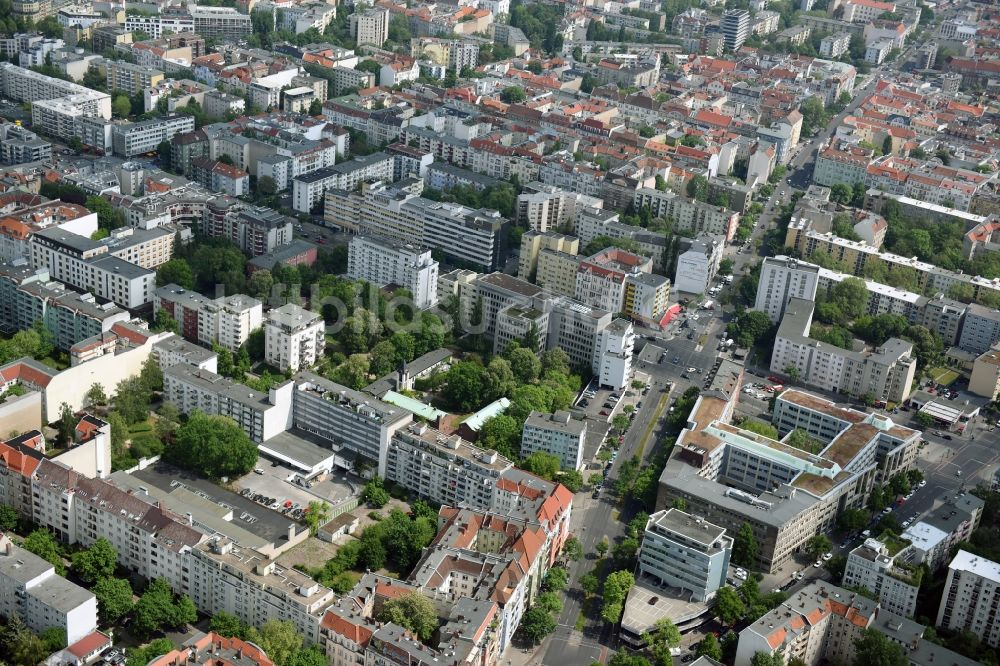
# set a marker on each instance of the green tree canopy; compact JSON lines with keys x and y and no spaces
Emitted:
{"x":413,"y":611}
{"x":213,"y":445}
{"x":96,"y":562}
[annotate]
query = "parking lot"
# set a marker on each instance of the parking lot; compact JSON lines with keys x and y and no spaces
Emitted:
{"x":275,"y":483}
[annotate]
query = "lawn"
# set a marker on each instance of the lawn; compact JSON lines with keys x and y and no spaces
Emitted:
{"x":943,"y":376}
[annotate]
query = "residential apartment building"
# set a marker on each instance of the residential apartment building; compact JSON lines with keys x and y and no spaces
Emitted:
{"x":846,"y":164}
{"x":130,"y":78}
{"x":227,"y":321}
{"x":985,"y":378}
{"x":384,"y":262}
{"x":980,"y":330}
{"x":834,"y":46}
{"x":87,"y":265}
{"x":821,"y":622}
{"x":25,"y":85}
{"x":935,"y":536}
{"x":782,"y":278}
{"x":370,"y":27}
{"x":31,"y":589}
{"x":556,"y":434}
{"x":971,"y":597}
{"x":735,"y":28}
{"x":689,"y":215}
{"x":546,"y":207}
{"x":308,"y":189}
{"x":219,"y":22}
{"x":886,"y":372}
{"x":882,"y":567}
{"x":685,"y":551}
{"x":355,"y":423}
{"x":134,"y":139}
{"x":294,"y":338}
{"x":446,"y":469}
{"x":220,"y":177}
{"x":600,"y":279}
{"x":698,"y":264}
{"x":556,"y":271}
{"x":19,"y":145}
{"x":155,"y":26}
{"x":255,"y":229}
{"x":613,"y":351}
{"x":460,"y":232}
{"x":534,"y":242}
{"x":28,"y":296}
{"x":260,"y":415}
{"x":203,"y":648}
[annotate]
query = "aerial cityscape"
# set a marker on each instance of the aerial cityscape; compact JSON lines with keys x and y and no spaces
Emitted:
{"x":499,"y":333}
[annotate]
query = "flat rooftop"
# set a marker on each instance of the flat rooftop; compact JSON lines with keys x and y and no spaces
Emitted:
{"x":692,"y":528}
{"x":309,"y":450}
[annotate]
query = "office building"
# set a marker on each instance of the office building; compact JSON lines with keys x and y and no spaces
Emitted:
{"x":735,"y":28}
{"x":782,"y":278}
{"x":980,"y":330}
{"x":685,"y":551}
{"x":383,"y":262}
{"x":31,"y":589}
{"x":615,"y":345}
{"x":971,"y":597}
{"x":557,"y":434}
{"x":261,"y":415}
{"x":698,"y":264}
{"x":370,"y":27}
{"x":886,"y":372}
{"x":882,"y":566}
{"x":19,"y":145}
{"x":223,"y":23}
{"x":294,"y":338}
{"x":145,"y":136}
{"x":255,"y":229}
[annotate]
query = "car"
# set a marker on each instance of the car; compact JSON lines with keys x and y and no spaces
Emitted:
{"x":692,"y":370}
{"x":921,"y":484}
{"x":685,"y":375}
{"x":773,"y":378}
{"x":258,"y":471}
{"x":688,"y":657}
{"x":949,"y":437}
{"x":958,"y":473}
{"x":827,"y":557}
{"x":887,"y":510}
{"x":604,"y":412}
{"x":584,"y":403}
{"x":938,"y":433}
{"x":906,"y":523}
{"x":818,"y":563}
{"x":677,"y":359}
{"x":596,"y":494}
{"x":608,"y":405}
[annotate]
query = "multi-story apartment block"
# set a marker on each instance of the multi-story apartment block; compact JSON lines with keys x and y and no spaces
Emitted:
{"x":782,"y":278}
{"x":200,"y":319}
{"x":698,"y":264}
{"x":203,"y":648}
{"x":446,"y":469}
{"x":735,"y":28}
{"x":556,"y":270}
{"x":129,"y":78}
{"x":134,"y":139}
{"x":821,"y":622}
{"x":685,"y":551}
{"x":534,"y":243}
{"x":985,"y":378}
{"x":370,"y":27}
{"x":219,"y":22}
{"x":31,"y":589}
{"x":600,"y":279}
{"x":980,"y":330}
{"x":261,"y":415}
{"x":886,"y":373}
{"x":294,"y":338}
{"x":308,"y":189}
{"x":546,"y":207}
{"x":847,"y":164}
{"x":155,"y":26}
{"x":25,"y":85}
{"x":462,"y":233}
{"x":557,"y":434}
{"x":935,"y":536}
{"x":220,"y":177}
{"x":971,"y":597}
{"x":175,"y":350}
{"x":354,"y":422}
{"x":383,"y":262}
{"x":257,"y":230}
{"x":834,"y":46}
{"x":28,"y":296}
{"x":87,"y":265}
{"x":613,"y":354}
{"x":691,"y":215}
{"x":19,"y":145}
{"x":882,"y":567}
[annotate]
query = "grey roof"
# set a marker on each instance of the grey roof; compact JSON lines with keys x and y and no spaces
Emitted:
{"x":57,"y":592}
{"x":388,"y":413}
{"x":22,"y":565}
{"x":358,"y":163}
{"x":68,"y":239}
{"x":194,"y":354}
{"x":282,"y":253}
{"x":685,"y":525}
{"x":560,"y":421}
{"x":121,"y":267}
{"x":510,"y":283}
{"x":292,"y":316}
{"x":464,"y":174}
{"x":307,"y":449}
{"x":209,"y":381}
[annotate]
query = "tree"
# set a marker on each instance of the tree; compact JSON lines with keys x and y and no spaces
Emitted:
{"x":853,"y":519}
{"x":602,"y":547}
{"x":924,"y":419}
{"x":465,"y":385}
{"x":616,"y":587}
{"x":875,"y":648}
{"x":175,"y":271}
{"x":8,"y":518}
{"x":572,"y":549}
{"x":185,"y":612}
{"x":151,"y":650}
{"x":227,"y":624}
{"x":525,"y":365}
{"x":541,"y":464}
{"x":513,"y":95}
{"x":765,"y":659}
{"x":353,"y":372}
{"x":818,"y":545}
{"x":213,"y":445}
{"x":556,"y":579}
{"x":95,"y":395}
{"x":382,"y":359}
{"x":413,"y":611}
{"x":620,"y":422}
{"x":114,"y":598}
{"x":42,"y":543}
{"x":572,"y":479}
{"x":502,"y":434}
{"x":316,"y":515}
{"x":750,"y":327}
{"x":589,"y":583}
{"x":697,"y":188}
{"x":97,"y":562}
{"x":279,"y":639}
{"x":66,"y":425}
{"x":155,"y":609}
{"x":728,"y":606}
{"x":709,"y":647}
{"x":374,"y":494}
{"x":745,"y":547}
{"x":536,"y":624}
{"x":664,"y":636}
{"x":121,"y":107}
